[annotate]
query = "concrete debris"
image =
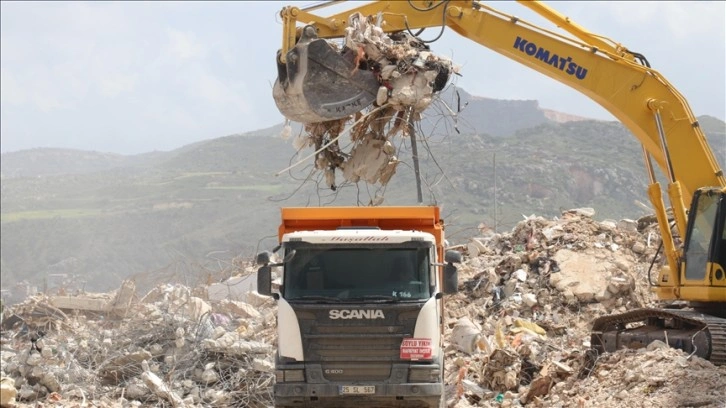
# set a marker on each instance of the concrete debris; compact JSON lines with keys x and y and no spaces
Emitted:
{"x":157,"y":386}
{"x":238,"y":309}
{"x":170,"y":349}
{"x":197,"y":308}
{"x":519,"y":327}
{"x":239,"y":288}
{"x":116,"y":303}
{"x":517,"y":334}
{"x":410,"y":77}
{"x":659,"y":377}
{"x":466,"y":336}
{"x":120,"y":368}
{"x":7,"y":392}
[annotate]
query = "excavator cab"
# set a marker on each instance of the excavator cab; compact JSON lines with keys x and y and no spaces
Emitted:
{"x":318,"y":83}
{"x":705,"y":245}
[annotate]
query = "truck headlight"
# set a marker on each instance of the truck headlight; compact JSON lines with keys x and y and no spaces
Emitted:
{"x":289,"y":375}
{"x":424,"y":374}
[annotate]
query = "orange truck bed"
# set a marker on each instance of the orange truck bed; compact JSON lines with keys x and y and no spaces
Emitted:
{"x":426,"y":219}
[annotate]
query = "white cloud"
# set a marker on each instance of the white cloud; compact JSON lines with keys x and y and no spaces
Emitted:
{"x":182,"y":77}
{"x":683,"y":21}
{"x":35,"y":89}
{"x":11,"y":92}
{"x":115,"y":85}
{"x":157,"y":110}
{"x":630,"y":13}
{"x":184,"y":45}
{"x":219,"y":93}
{"x":63,"y":52}
{"x":691,"y":20}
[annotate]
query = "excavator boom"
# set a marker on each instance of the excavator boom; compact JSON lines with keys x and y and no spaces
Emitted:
{"x":606,"y":72}
{"x":318,"y":83}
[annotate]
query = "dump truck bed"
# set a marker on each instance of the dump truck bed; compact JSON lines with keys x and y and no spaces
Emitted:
{"x":426,"y":219}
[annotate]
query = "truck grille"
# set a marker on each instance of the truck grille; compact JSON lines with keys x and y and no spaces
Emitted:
{"x":360,"y":349}
{"x":353,"y":346}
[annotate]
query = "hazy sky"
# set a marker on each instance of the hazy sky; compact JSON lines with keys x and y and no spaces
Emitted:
{"x":133,"y":77}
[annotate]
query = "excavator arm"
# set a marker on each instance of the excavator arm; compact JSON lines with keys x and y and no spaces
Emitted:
{"x":618,"y":79}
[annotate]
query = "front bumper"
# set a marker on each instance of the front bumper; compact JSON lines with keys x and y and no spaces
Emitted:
{"x":386,"y":395}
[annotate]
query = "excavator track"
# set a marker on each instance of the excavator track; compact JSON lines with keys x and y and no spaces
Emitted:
{"x":691,"y":331}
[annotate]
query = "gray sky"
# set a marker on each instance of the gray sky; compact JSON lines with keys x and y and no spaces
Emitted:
{"x":133,"y":77}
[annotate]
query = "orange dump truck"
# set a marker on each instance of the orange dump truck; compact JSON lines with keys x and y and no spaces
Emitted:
{"x":360,"y":308}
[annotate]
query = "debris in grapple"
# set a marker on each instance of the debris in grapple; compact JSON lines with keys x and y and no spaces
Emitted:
{"x":374,"y":81}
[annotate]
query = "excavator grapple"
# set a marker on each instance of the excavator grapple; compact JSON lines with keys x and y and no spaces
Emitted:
{"x":318,"y":83}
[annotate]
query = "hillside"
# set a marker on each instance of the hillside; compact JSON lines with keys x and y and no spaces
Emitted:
{"x":93,"y":219}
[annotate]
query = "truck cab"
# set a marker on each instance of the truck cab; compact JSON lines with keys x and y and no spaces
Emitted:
{"x":360,"y":313}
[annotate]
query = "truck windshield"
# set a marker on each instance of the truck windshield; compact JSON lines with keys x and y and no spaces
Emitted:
{"x":371,"y":274}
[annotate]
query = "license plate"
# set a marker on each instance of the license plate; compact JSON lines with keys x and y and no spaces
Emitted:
{"x":357,"y":389}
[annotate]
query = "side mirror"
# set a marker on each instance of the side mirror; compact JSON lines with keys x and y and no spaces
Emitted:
{"x":264,"y":280}
{"x":452,"y":256}
{"x":263,"y":258}
{"x":451,"y":279}
{"x":451,"y":274}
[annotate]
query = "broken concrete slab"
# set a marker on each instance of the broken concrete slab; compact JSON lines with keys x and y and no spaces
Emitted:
{"x":235,"y":288}
{"x":238,"y":309}
{"x":121,"y":367}
{"x":7,"y":392}
{"x":580,"y":273}
{"x":158,"y":387}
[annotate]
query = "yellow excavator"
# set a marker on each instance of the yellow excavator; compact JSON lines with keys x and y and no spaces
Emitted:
{"x":319,"y":82}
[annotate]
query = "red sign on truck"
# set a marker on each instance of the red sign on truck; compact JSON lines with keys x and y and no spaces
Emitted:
{"x":416,"y":349}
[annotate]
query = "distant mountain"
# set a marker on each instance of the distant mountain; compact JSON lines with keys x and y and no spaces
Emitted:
{"x":715,"y":131}
{"x":480,"y":115}
{"x":51,"y":161}
{"x":561,"y":117}
{"x":475,"y":115}
{"x":55,"y":162}
{"x":98,"y":218}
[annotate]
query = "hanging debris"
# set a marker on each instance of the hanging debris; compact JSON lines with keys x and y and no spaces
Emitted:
{"x":375,"y":83}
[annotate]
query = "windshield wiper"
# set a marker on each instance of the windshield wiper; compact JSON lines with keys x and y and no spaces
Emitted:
{"x":319,"y":298}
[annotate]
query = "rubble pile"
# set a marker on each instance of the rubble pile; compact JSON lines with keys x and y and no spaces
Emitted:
{"x":657,"y":376}
{"x":517,"y":333}
{"x":409,"y":75}
{"x":519,"y":327}
{"x":172,"y":348}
